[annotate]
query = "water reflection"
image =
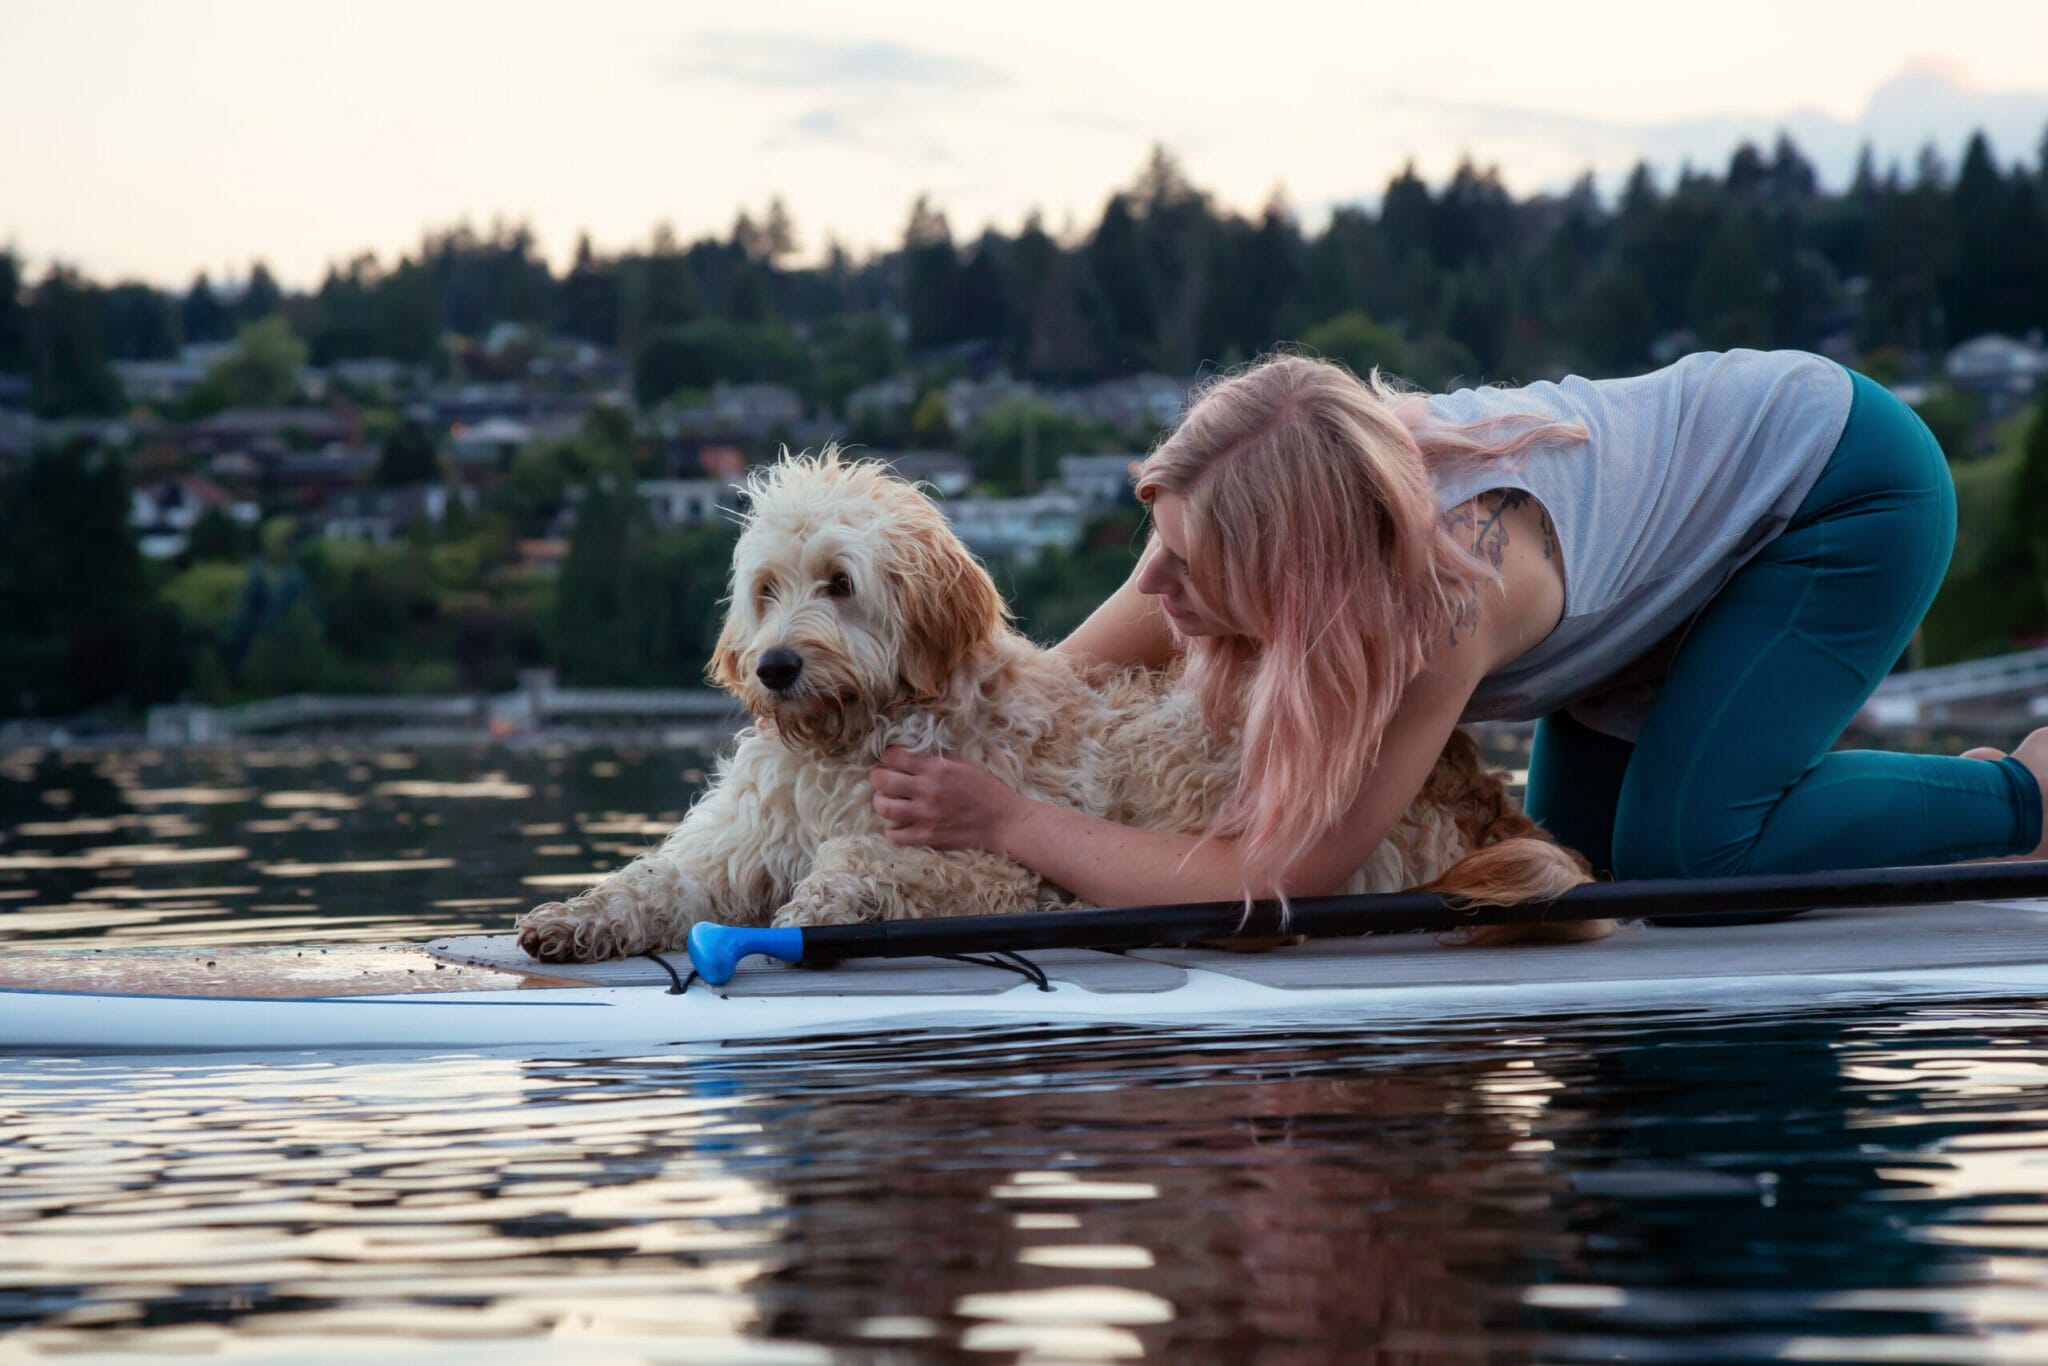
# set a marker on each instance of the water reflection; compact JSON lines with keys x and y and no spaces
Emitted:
{"x":1827,"y":1187}
{"x":1858,"y":1186}
{"x":1838,"y":1186}
{"x":337,"y":844}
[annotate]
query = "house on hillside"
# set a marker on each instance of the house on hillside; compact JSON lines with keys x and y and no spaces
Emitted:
{"x":679,"y":504}
{"x":1104,"y":480}
{"x":381,"y":516}
{"x":1134,"y":403}
{"x":949,"y":473}
{"x":2004,"y":373}
{"x":157,"y":383}
{"x":162,"y":512}
{"x":493,"y":441}
{"x":262,"y":432}
{"x":309,"y":477}
{"x":1017,"y":528}
{"x":674,"y":504}
{"x":755,"y":409}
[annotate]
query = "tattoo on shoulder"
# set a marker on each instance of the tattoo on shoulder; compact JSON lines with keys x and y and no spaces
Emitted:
{"x":1465,"y":618}
{"x":1481,"y":524}
{"x":1490,"y":538}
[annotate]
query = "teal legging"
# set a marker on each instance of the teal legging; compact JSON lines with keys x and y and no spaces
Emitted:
{"x":1732,"y":772}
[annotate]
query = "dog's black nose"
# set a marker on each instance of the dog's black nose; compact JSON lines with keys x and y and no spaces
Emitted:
{"x":779,"y":668}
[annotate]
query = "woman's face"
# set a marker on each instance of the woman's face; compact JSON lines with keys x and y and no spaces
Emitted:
{"x":1164,"y":574}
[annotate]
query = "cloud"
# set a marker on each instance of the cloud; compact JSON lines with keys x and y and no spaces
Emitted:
{"x":1923,"y":103}
{"x":763,"y":59}
{"x":868,"y":129}
{"x":1095,"y":121}
{"x":827,"y":124}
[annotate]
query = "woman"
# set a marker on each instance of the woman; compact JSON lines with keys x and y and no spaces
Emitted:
{"x":1692,"y":579}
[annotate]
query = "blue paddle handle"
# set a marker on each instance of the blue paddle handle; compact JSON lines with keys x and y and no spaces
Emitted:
{"x":716,"y":950}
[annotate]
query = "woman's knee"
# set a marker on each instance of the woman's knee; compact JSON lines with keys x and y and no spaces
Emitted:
{"x":1652,"y":840}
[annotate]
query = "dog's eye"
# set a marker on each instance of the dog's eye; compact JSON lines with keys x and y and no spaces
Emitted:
{"x":839,"y":586}
{"x":766,"y":592}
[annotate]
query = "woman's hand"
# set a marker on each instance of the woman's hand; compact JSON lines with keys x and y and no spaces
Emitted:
{"x":942,"y":803}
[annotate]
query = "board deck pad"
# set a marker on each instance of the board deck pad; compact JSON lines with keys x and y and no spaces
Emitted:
{"x":1897,"y":940}
{"x":1945,"y":935}
{"x":262,"y":970}
{"x":1108,"y":973}
{"x":1948,"y":935}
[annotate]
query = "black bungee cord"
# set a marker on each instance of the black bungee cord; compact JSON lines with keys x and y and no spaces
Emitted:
{"x":1005,"y":959}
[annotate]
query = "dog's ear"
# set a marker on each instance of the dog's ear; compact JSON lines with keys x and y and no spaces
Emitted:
{"x":950,"y":607}
{"x":724,"y":668}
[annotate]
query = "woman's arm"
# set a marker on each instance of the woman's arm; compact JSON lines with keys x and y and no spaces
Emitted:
{"x":1129,"y":628}
{"x":1106,"y":864}
{"x":951,"y":804}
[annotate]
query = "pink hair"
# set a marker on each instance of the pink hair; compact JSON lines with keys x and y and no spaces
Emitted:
{"x":1314,"y":536}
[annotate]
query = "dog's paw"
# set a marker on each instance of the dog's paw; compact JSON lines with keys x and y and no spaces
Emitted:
{"x":810,"y":906}
{"x":548,"y":932}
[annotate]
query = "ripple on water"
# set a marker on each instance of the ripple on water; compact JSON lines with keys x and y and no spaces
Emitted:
{"x":1862,"y":1186}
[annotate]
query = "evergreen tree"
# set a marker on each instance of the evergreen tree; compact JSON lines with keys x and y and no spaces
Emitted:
{"x":217,"y":536}
{"x":408,"y":456}
{"x":700,"y":354}
{"x":79,"y":626}
{"x":1747,"y":175}
{"x":982,"y":304}
{"x":601,"y":604}
{"x":1613,"y":322}
{"x":853,"y":350}
{"x":661,"y":290}
{"x":778,"y":239}
{"x":588,"y":304}
{"x":1792,"y":176}
{"x":1473,"y":220}
{"x":1066,"y":323}
{"x":2030,"y":489}
{"x":1910,"y":246}
{"x":1976,"y":292}
{"x":141,"y":324}
{"x":409,"y":310}
{"x":260,"y":297}
{"x":202,"y":317}
{"x":748,"y":298}
{"x":1731,"y":300}
{"x":1407,"y":217}
{"x":68,"y":372}
{"x":1272,"y":273}
{"x":1477,"y":315}
{"x":13,"y":317}
{"x":2025,"y":259}
{"x":346,"y":313}
{"x":1410,"y":291}
{"x":931,"y":277}
{"x":1117,"y":263}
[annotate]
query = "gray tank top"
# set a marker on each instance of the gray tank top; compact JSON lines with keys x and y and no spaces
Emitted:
{"x":1690,"y":470}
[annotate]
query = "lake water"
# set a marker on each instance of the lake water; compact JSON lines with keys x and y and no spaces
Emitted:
{"x":1823,"y":1186}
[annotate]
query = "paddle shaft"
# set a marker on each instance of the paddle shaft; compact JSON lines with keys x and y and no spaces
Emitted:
{"x":1669,"y":900}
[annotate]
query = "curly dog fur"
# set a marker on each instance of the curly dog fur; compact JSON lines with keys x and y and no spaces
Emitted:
{"x":857,"y":620}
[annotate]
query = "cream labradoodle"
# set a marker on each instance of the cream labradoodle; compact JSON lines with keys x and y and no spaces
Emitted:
{"x":858,"y":621}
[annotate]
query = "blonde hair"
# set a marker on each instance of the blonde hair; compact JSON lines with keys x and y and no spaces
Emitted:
{"x":1315,"y":538}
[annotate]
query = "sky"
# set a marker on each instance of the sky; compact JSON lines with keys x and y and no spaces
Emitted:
{"x":153,"y":140}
